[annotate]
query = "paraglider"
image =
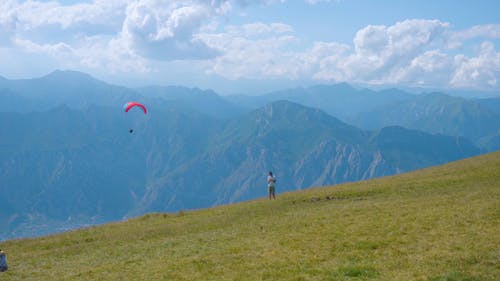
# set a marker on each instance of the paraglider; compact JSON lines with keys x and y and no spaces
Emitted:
{"x":131,"y":104}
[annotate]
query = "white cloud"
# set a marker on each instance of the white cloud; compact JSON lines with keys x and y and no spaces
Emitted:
{"x":253,"y":51}
{"x":430,"y":61}
{"x":382,"y":52}
{"x":412,"y":52}
{"x":482,"y":71}
{"x":258,"y":28}
{"x":30,"y":15}
{"x":487,"y":31}
{"x":93,"y":54}
{"x":429,"y":69}
{"x":59,"y":49}
{"x":144,"y":35}
{"x":158,"y":29}
{"x":165,"y":29}
{"x":323,"y":59}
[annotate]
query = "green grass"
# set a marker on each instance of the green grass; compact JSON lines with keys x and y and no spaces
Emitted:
{"x":436,"y":224}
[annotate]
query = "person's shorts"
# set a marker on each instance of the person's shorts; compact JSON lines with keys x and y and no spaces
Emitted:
{"x":271,"y":189}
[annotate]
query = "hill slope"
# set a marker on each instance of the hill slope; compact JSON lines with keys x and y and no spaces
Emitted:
{"x":440,"y":223}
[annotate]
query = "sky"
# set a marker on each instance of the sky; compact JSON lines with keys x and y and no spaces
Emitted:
{"x":255,"y":46}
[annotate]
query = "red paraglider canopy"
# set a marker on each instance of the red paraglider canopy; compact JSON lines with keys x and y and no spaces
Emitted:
{"x":131,"y":104}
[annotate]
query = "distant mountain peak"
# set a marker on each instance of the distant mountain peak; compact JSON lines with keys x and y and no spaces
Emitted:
{"x":69,"y":75}
{"x":285,"y":107}
{"x":343,"y":87}
{"x":284,"y":116}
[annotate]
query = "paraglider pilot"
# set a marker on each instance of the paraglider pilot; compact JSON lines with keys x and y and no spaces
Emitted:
{"x":271,"y":186}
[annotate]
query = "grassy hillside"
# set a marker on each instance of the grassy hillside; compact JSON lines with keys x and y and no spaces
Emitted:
{"x":440,"y":223}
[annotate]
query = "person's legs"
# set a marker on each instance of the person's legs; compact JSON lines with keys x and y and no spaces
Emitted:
{"x":272,"y":192}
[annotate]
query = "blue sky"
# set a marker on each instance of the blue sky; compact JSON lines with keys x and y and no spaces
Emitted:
{"x":245,"y":46}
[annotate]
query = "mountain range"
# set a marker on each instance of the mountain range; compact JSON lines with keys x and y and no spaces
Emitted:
{"x":436,"y":113}
{"x":68,"y":160}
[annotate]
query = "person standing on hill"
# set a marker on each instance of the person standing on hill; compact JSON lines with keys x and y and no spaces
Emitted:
{"x":271,"y":186}
{"x":3,"y":261}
